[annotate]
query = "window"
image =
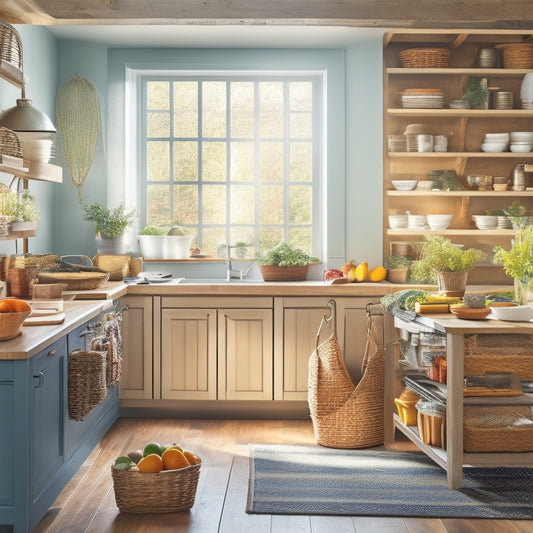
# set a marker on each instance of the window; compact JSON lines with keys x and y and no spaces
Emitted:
{"x":234,"y":158}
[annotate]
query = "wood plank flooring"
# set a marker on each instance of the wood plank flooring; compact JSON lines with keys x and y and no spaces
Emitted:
{"x":87,"y":503}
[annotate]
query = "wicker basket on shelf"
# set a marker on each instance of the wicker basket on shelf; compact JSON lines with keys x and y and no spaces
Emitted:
{"x":167,"y":491}
{"x":289,"y":273}
{"x":10,"y":45}
{"x":86,"y":382}
{"x":10,"y":143}
{"x":75,"y":281}
{"x":517,"y":55}
{"x":425,"y":57}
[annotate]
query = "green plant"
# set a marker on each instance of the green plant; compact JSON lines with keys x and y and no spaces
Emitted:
{"x":152,"y":230}
{"x":439,"y":255}
{"x":394,"y":262}
{"x":516,"y":209}
{"x":20,"y":207}
{"x":109,"y":223}
{"x":518,"y":261}
{"x":495,"y":212}
{"x":477,"y":92}
{"x":286,"y":255}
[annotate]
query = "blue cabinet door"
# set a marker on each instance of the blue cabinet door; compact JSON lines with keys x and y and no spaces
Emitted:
{"x":47,"y":414}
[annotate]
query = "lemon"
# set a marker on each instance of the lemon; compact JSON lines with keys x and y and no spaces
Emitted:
{"x":152,"y":447}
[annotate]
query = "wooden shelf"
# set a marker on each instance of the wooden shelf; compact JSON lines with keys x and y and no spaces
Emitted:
{"x":456,"y":155}
{"x":467,"y":232}
{"x":460,"y":113}
{"x":11,"y":73}
{"x":460,"y":194}
{"x":486,"y":72}
{"x":36,"y":171}
{"x":18,"y":235}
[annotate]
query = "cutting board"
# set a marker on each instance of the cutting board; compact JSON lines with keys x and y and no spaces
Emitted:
{"x":45,"y":320}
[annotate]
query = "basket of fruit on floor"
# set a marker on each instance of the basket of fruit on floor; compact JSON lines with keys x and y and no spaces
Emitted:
{"x":156,"y":479}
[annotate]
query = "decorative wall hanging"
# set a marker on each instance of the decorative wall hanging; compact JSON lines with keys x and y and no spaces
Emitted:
{"x":78,"y":124}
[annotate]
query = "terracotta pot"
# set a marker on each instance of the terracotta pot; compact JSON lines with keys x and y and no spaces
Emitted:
{"x":452,"y":283}
{"x":397,"y":275}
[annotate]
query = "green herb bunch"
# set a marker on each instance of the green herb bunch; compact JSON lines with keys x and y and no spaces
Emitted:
{"x":518,"y":261}
{"x":395,"y":261}
{"x":109,"y":223}
{"x":438,"y":254}
{"x":153,"y":230}
{"x":286,"y":255}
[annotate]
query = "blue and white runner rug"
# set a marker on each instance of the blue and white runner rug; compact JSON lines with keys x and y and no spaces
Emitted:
{"x":311,"y":480}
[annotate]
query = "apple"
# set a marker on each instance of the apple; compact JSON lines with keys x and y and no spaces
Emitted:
{"x":332,"y":273}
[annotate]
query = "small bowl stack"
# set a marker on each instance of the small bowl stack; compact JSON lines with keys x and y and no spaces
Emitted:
{"x":411,"y":132}
{"x":416,"y":221}
{"x":495,"y":142}
{"x":521,"y":141}
{"x":422,"y":99}
{"x":485,"y":222}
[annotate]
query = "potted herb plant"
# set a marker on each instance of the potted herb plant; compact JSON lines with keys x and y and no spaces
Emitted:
{"x":285,"y":262}
{"x":518,"y":263}
{"x":22,"y":211}
{"x":517,"y":214}
{"x":110,"y":226}
{"x":442,"y":262}
{"x":397,"y":268}
{"x":152,"y":242}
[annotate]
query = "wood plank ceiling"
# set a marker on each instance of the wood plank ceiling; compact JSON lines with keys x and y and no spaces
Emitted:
{"x":451,"y":14}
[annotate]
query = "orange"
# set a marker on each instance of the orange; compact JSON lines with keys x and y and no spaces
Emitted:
{"x":5,"y":306}
{"x":173,"y":459}
{"x":174,"y":446}
{"x":19,"y":305}
{"x":150,"y":464}
{"x":192,"y":458}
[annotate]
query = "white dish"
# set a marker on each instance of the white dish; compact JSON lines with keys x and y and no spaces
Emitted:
{"x":404,"y":185}
{"x":398,"y":221}
{"x":519,"y":313}
{"x":439,"y":222}
{"x":494,"y":147}
{"x":526,"y":136}
{"x":520,"y":148}
{"x":485,"y":221}
{"x":497,"y":137}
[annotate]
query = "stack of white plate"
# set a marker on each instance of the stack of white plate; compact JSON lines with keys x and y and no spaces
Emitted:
{"x":486,"y":221}
{"x":521,"y":141}
{"x":422,"y":99}
{"x":416,"y":221}
{"x":495,"y":142}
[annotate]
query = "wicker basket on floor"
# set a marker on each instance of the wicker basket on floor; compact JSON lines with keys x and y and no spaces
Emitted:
{"x":167,"y":491}
{"x":86,"y":382}
{"x":345,"y":415}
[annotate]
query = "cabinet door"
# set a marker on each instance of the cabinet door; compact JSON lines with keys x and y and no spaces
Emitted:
{"x":297,"y":323}
{"x":188,"y":354}
{"x":245,"y":354}
{"x":136,"y":376}
{"x":47,"y":414}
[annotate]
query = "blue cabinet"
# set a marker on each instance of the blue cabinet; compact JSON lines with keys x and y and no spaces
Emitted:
{"x":40,"y":447}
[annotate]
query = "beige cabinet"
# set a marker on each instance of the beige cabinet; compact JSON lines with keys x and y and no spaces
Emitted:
{"x":297,"y":321}
{"x":137,"y":353}
{"x":216,"y":348}
{"x":464,"y":129}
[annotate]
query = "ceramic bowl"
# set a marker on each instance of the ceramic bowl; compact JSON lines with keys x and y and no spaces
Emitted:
{"x":519,"y":313}
{"x":424,"y":185}
{"x":492,"y":147}
{"x":520,"y":148}
{"x":404,"y":185}
{"x":439,"y":222}
{"x":485,"y":221}
{"x":416,"y":221}
{"x":496,"y":138}
{"x":398,"y":221}
{"x":524,"y":136}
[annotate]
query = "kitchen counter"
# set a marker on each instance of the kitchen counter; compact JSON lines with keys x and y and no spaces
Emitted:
{"x":36,"y":338}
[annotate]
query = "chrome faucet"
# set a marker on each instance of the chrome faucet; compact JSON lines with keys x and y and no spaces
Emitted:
{"x":232,"y":273}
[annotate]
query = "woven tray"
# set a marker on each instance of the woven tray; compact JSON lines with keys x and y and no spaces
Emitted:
{"x":498,"y":428}
{"x":75,"y":281}
{"x":162,"y":492}
{"x":86,"y":382}
{"x":276,"y":273}
{"x":425,"y":57}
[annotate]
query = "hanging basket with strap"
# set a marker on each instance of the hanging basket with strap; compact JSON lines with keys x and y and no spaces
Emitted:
{"x":78,"y":124}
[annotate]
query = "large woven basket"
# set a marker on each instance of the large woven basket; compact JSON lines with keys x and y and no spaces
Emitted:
{"x":425,"y":57}
{"x":75,"y":281}
{"x":344,"y":415}
{"x":86,"y":382}
{"x":167,"y":491}
{"x":10,"y":143}
{"x":506,"y":428}
{"x":10,"y":45}
{"x":517,"y":55}
{"x":290,"y":273}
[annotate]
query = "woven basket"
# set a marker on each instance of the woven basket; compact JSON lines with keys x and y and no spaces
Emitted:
{"x":10,"y":45}
{"x":86,"y":382}
{"x":11,"y":324}
{"x":10,"y":143}
{"x":20,"y":281}
{"x":290,"y":273}
{"x":518,"y":55}
{"x":167,"y":491}
{"x":425,"y":57}
{"x":114,"y":350}
{"x":344,"y":415}
{"x":506,"y":428}
{"x":75,"y":281}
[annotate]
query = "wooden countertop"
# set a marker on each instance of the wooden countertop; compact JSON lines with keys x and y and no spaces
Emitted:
{"x":36,"y":338}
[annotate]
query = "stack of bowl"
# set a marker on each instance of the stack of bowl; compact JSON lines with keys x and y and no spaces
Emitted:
{"x":411,"y":132}
{"x":398,"y":221}
{"x":416,"y":221}
{"x":495,"y":142}
{"x":521,"y":141}
{"x":486,"y":221}
{"x":439,"y":222}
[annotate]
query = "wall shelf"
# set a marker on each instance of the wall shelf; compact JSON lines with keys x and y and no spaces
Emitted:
{"x":12,"y":74}
{"x":36,"y":171}
{"x":18,"y":235}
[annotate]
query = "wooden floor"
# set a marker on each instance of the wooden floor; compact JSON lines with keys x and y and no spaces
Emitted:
{"x":87,"y":503}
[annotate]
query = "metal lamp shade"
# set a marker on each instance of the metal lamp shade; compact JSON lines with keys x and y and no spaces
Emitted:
{"x":25,"y":117}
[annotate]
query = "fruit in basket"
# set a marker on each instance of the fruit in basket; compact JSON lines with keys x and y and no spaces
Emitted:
{"x":14,"y":305}
{"x":136,"y":456}
{"x":123,"y":463}
{"x":152,"y":447}
{"x":173,"y":459}
{"x":172,"y":447}
{"x":192,"y":458}
{"x":150,"y":464}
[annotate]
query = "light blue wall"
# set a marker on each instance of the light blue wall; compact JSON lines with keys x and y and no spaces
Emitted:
{"x":40,"y":67}
{"x":354,"y":191}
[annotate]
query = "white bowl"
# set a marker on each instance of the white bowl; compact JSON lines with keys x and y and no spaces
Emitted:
{"x":398,"y":221}
{"x":439,"y":222}
{"x":496,"y":137}
{"x":520,"y":148}
{"x":518,"y":313}
{"x":525,"y":136}
{"x":416,"y":221}
{"x":424,"y":185}
{"x":486,"y":221}
{"x":494,"y":147}
{"x":404,"y":185}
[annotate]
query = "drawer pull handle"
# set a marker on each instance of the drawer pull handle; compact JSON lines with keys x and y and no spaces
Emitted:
{"x":52,"y":352}
{"x":40,"y":380}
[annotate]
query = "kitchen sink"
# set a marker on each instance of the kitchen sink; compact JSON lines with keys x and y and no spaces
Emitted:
{"x":220,"y":281}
